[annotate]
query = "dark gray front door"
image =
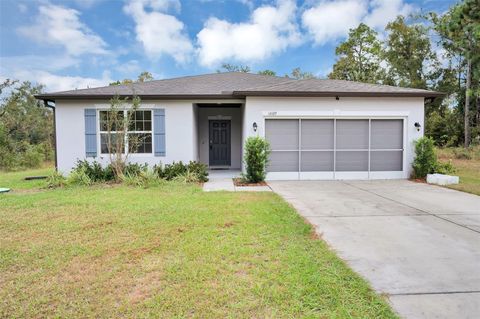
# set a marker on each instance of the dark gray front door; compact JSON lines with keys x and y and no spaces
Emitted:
{"x":219,"y":154}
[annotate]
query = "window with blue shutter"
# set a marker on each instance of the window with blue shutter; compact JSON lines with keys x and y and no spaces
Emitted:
{"x":90,"y":133}
{"x":159,"y":131}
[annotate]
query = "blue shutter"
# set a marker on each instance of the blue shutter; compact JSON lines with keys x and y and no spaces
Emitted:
{"x":90,"y":133}
{"x":159,"y":132}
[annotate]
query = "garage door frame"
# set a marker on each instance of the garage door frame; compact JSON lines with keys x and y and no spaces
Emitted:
{"x":337,"y":175}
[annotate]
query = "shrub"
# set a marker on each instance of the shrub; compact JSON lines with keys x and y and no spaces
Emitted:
{"x":144,"y":178}
{"x":179,"y":169}
{"x":445,"y":168}
{"x":257,"y":150}
{"x":135,"y":168}
{"x":79,"y":177}
{"x":187,"y":177}
{"x":95,"y":171}
{"x":199,"y":169}
{"x":55,"y":180}
{"x":170,"y":171}
{"x":425,"y":158}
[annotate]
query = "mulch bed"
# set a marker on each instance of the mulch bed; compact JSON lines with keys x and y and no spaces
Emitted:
{"x":418,"y":180}
{"x":240,"y":182}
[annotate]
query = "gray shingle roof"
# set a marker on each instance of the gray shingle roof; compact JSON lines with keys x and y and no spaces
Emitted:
{"x":324,"y":87}
{"x":237,"y":85}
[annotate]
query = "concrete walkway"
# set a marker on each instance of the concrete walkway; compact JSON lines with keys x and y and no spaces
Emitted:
{"x":417,"y":243}
{"x":222,"y":180}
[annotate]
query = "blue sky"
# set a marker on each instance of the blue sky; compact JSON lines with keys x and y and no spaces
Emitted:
{"x":78,"y":43}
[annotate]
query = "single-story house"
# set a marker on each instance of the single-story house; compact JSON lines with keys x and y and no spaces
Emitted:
{"x":317,"y":128}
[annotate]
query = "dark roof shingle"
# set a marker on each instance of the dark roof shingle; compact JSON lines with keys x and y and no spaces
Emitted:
{"x":237,"y":85}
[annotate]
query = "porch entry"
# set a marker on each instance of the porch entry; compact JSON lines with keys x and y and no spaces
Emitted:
{"x":219,"y":142}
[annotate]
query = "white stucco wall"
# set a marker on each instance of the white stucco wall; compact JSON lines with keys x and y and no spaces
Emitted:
{"x":235,"y":116}
{"x":180,"y":132}
{"x":409,"y":108}
{"x":187,"y":125}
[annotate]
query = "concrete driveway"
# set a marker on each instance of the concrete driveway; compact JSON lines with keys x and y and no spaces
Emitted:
{"x":419,"y":244}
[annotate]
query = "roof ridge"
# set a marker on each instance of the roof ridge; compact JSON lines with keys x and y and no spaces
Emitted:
{"x":133,"y":84}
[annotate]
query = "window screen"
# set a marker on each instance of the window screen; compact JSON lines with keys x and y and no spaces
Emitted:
{"x":283,"y":162}
{"x":386,"y":161}
{"x":387,"y":134}
{"x":282,"y":134}
{"x":317,"y":134}
{"x":314,"y":161}
{"x":352,"y":134}
{"x":352,"y":161}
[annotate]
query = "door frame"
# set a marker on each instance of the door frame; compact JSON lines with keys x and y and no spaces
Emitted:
{"x":229,"y":149}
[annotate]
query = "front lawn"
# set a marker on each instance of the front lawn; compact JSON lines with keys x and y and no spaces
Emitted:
{"x":167,"y":251}
{"x":467,"y":164}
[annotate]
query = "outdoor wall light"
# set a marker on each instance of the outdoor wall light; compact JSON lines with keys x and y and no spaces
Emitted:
{"x":255,"y":126}
{"x":417,"y":125}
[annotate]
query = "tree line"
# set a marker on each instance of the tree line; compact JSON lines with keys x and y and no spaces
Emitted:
{"x":438,"y":52}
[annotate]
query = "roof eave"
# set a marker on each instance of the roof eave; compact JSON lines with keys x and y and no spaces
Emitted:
{"x":429,"y":94}
{"x":143,"y":97}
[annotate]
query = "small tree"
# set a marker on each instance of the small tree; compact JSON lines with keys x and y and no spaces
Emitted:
{"x":257,"y":150}
{"x":425,"y":158}
{"x":116,"y":122}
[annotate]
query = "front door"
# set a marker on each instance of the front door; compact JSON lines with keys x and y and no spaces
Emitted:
{"x":219,"y":142}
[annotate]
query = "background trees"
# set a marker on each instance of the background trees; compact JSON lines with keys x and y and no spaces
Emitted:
{"x":436,"y":52}
{"x":26,"y":126}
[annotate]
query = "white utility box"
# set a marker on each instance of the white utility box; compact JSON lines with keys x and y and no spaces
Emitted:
{"x":441,"y":179}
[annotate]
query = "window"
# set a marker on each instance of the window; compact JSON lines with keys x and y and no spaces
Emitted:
{"x":138,"y":138}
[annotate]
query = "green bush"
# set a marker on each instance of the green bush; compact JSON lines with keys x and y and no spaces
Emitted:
{"x":55,"y":180}
{"x":257,"y":150}
{"x":445,"y":168}
{"x":198,"y":169}
{"x":425,"y":158}
{"x":172,"y":171}
{"x":79,"y":177}
{"x":144,"y":178}
{"x":95,"y":172}
{"x":135,"y":169}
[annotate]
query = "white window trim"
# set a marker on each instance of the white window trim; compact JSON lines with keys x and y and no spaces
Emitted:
{"x":99,"y":140}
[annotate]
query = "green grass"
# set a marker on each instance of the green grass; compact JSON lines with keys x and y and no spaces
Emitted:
{"x":468,"y":169}
{"x":171,"y":251}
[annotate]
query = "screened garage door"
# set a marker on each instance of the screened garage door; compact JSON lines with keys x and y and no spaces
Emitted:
{"x":335,"y":148}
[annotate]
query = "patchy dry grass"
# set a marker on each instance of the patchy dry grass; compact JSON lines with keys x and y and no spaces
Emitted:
{"x":167,"y":251}
{"x":467,"y":168}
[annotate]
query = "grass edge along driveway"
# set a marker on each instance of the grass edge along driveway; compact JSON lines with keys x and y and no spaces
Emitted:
{"x":168,"y":251}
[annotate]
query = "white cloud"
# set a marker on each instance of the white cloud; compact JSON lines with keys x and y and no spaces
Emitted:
{"x":57,"y":25}
{"x":271,"y":29}
{"x":384,"y":11}
{"x":331,"y":20}
{"x":328,"y":20}
{"x":160,"y":33}
{"x":8,"y":64}
{"x":54,"y":83}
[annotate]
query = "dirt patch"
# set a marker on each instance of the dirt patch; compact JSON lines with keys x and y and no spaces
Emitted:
{"x":241,"y":182}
